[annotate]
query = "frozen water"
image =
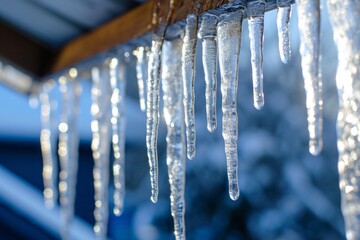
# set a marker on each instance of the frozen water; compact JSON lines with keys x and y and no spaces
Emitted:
{"x":118,"y":121}
{"x":100,"y":145}
{"x":207,"y":33}
{"x":68,"y":147}
{"x":229,"y":37}
{"x":141,"y":75}
{"x":153,"y":98}
{"x":152,"y":113}
{"x":309,"y":28}
{"x":173,"y":114}
{"x":256,"y":10}
{"x":283,"y":22}
{"x":48,"y":141}
{"x":345,"y":18}
{"x":188,"y":70}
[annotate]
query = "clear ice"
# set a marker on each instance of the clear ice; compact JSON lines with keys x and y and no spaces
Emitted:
{"x":309,"y":28}
{"x":188,"y":71}
{"x":256,"y":10}
{"x":283,"y":22}
{"x":229,"y":40}
{"x":118,"y":121}
{"x":173,"y":114}
{"x":100,"y":144}
{"x":345,"y":19}
{"x":48,"y":141}
{"x":141,"y":74}
{"x":153,"y":98}
{"x":70,"y":90}
{"x":207,"y":33}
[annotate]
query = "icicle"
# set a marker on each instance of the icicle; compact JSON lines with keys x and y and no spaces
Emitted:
{"x":229,"y":38}
{"x":152,"y":98}
{"x":100,"y":145}
{"x":309,"y":27}
{"x":283,"y":22}
{"x":68,"y":147}
{"x":345,"y":19}
{"x":256,"y":10}
{"x":173,"y":113}
{"x":207,"y":33}
{"x":48,"y":141}
{"x":188,"y":71}
{"x":118,"y":121}
{"x":141,"y":74}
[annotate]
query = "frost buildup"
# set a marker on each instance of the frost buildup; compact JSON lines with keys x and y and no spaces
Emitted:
{"x":283,"y":22}
{"x":345,"y":19}
{"x":207,"y":33}
{"x":188,"y":70}
{"x":48,"y":141}
{"x":118,"y":121}
{"x":100,"y":145}
{"x":173,"y":114}
{"x":256,"y":11}
{"x":309,"y":28}
{"x":229,"y":40}
{"x":70,"y":90}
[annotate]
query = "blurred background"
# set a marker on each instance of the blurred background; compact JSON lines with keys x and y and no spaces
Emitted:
{"x":286,"y":193}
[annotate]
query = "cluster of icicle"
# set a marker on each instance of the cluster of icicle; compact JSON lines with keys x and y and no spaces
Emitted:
{"x":107,"y":126}
{"x":220,"y":32}
{"x":171,"y":60}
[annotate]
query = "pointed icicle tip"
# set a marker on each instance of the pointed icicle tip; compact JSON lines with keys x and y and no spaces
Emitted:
{"x":154,"y":198}
{"x":234,"y":195}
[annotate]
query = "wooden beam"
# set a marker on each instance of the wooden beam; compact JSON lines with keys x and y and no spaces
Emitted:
{"x":24,"y":52}
{"x":42,"y":61}
{"x":120,"y":30}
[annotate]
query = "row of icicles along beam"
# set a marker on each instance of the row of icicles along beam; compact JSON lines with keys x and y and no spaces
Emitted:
{"x":172,"y":60}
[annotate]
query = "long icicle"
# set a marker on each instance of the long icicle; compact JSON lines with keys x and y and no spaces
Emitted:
{"x":118,"y":121}
{"x":229,"y":38}
{"x":207,"y":33}
{"x":188,"y":72}
{"x":100,"y":145}
{"x":283,"y":22}
{"x":173,"y":114}
{"x":345,"y":18}
{"x":309,"y":28}
{"x":256,"y":10}
{"x":68,"y":147}
{"x":152,"y":98}
{"x":48,"y":141}
{"x":141,"y":75}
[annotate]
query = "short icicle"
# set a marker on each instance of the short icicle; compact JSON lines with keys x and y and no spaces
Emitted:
{"x":188,"y":72}
{"x":48,"y":141}
{"x":207,"y":33}
{"x":283,"y":22}
{"x":100,"y":145}
{"x":70,"y":89}
{"x":153,"y":98}
{"x":118,"y":121}
{"x":309,"y":28}
{"x":141,"y":75}
{"x":173,"y":114}
{"x":256,"y":11}
{"x":229,"y":40}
